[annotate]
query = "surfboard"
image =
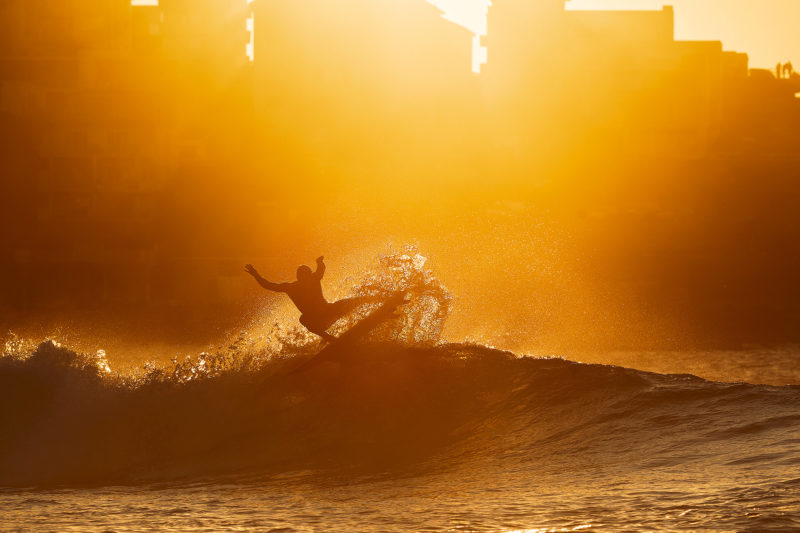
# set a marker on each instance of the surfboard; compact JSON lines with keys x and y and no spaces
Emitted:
{"x":354,"y":334}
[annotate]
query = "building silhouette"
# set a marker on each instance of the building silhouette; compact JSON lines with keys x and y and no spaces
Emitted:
{"x":105,"y":107}
{"x":619,"y":75}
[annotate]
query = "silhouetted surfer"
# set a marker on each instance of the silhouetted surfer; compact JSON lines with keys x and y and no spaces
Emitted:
{"x":317,"y":313}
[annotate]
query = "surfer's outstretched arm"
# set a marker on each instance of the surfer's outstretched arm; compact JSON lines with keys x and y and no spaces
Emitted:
{"x":320,"y":267}
{"x":276,"y":287}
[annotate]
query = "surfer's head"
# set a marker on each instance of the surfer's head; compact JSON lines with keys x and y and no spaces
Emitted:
{"x":303,"y":272}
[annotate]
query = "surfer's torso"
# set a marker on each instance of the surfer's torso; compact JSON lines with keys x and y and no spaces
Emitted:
{"x":307,"y":296}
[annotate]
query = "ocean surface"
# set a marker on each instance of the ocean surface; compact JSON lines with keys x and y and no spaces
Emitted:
{"x":388,"y":437}
{"x":399,"y":432}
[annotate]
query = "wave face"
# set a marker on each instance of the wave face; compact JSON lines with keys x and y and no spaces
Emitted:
{"x":465,"y":436}
{"x":399,"y":432}
{"x":65,"y":419}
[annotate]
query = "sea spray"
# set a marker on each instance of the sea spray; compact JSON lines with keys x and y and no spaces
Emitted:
{"x":404,"y":270}
{"x":430,"y":303}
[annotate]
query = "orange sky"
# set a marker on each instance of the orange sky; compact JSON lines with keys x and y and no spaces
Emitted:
{"x":765,"y":29}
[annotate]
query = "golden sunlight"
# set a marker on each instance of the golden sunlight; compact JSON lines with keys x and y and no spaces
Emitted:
{"x":399,"y":265}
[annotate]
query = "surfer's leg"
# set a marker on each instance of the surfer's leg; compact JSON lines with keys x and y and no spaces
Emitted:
{"x":342,"y":307}
{"x":316,"y":328}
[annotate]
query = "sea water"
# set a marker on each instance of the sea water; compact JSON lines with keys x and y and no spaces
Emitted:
{"x":399,"y":432}
{"x":390,"y":437}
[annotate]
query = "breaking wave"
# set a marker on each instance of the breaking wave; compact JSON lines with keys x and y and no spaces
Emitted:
{"x":400,"y":400}
{"x":66,"y":419}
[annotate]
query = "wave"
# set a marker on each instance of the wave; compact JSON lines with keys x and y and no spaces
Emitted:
{"x":65,"y":418}
{"x":399,"y":400}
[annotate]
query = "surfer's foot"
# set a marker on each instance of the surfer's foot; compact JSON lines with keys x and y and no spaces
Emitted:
{"x":393,"y":303}
{"x":398,"y":299}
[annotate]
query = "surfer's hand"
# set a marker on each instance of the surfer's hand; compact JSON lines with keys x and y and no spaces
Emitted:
{"x":320,"y":259}
{"x":250,"y":269}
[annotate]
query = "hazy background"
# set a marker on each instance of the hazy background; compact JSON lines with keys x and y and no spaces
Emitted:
{"x":598,"y":186}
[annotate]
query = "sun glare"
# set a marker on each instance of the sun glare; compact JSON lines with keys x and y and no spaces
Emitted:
{"x":313,"y":273}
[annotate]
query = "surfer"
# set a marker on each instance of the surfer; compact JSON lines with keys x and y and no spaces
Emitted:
{"x":306,"y":293}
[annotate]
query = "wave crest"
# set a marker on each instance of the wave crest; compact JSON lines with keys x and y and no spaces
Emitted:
{"x":379,"y":406}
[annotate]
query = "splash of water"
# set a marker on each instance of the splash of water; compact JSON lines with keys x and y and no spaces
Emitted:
{"x":405,"y":270}
{"x":429,"y":305}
